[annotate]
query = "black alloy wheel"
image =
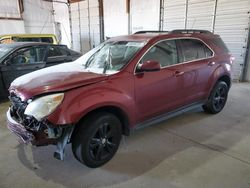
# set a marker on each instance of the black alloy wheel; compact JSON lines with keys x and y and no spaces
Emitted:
{"x":102,"y":144}
{"x":217,"y":99}
{"x":97,"y":139}
{"x":220,"y":97}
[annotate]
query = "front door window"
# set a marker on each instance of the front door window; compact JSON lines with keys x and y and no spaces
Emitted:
{"x":29,"y":55}
{"x":164,"y":52}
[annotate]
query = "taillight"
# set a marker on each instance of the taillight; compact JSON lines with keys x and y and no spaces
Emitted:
{"x":232,"y":60}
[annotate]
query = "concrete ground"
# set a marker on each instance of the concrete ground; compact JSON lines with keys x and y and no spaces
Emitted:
{"x":193,"y":150}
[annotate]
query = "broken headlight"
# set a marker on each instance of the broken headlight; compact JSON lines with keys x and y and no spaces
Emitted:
{"x":44,"y":106}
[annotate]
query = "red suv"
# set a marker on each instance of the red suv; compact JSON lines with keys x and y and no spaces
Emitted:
{"x":124,"y":83}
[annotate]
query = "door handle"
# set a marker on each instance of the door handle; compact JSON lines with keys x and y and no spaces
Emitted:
{"x":210,"y":64}
{"x":178,"y":73}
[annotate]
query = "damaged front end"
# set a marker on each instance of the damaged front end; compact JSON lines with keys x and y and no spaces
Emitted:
{"x":39,"y":133}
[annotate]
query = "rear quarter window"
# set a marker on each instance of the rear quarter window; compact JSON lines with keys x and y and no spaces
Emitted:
{"x":220,"y":44}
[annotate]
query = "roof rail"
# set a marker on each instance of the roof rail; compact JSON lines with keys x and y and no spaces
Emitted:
{"x":152,"y":31}
{"x":190,"y":31}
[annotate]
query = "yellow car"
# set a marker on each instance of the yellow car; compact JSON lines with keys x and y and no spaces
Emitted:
{"x":48,"y":38}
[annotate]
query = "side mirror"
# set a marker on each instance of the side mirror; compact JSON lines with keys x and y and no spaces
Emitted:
{"x":150,"y":66}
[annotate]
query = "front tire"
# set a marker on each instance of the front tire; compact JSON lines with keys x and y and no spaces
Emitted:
{"x":217,"y":98}
{"x":97,"y":139}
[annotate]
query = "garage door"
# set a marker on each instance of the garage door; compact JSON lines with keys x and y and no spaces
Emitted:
{"x":228,"y":18}
{"x":232,"y":23}
{"x":200,"y":14}
{"x":115,"y":18}
{"x":144,"y":15}
{"x":85,"y":23}
{"x":174,"y":14}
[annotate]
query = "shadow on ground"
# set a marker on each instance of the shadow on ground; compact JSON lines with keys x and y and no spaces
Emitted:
{"x":140,"y":153}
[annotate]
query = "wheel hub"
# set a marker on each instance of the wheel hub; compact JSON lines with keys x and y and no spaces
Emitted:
{"x":104,"y":140}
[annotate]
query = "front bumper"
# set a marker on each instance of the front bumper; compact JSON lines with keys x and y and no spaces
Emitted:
{"x":18,"y":129}
{"x":38,"y":133}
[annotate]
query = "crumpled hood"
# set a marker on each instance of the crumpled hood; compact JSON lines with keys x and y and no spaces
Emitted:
{"x":54,"y":79}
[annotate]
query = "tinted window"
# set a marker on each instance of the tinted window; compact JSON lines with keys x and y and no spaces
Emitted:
{"x":29,"y":55}
{"x":17,"y":39}
{"x":164,"y":52}
{"x":194,"y":49}
{"x":54,"y":51}
{"x":34,"y":39}
{"x":218,"y":42}
{"x":64,"y":50}
{"x":47,"y":39}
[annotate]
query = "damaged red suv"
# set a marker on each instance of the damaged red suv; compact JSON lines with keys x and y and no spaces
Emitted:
{"x":125,"y":83}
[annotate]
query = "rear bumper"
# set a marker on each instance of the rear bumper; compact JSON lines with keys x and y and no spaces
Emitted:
{"x":18,"y":129}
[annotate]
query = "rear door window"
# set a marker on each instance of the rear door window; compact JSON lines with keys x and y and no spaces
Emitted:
{"x":64,"y":50}
{"x":193,"y":49}
{"x":55,"y":51}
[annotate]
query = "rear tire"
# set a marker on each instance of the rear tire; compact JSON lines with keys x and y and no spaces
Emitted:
{"x":97,"y":139}
{"x":217,"y":98}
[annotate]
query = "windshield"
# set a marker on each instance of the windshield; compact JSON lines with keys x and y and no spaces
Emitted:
{"x":4,"y":51}
{"x":110,"y":57}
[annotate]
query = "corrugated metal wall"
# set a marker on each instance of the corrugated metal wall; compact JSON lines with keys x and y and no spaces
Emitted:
{"x":36,"y":18}
{"x":144,"y":15}
{"x":228,"y":18}
{"x":232,"y":23}
{"x":174,"y":14}
{"x":9,"y":9}
{"x":85,"y":22}
{"x":61,"y":16}
{"x":115,"y":18}
{"x":200,"y":14}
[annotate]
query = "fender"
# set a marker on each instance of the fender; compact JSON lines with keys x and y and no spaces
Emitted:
{"x":80,"y":101}
{"x":218,"y":73}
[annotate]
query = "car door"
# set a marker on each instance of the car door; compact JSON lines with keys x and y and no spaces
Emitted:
{"x":23,"y":61}
{"x":161,"y":91}
{"x":3,"y":91}
{"x":198,"y":65}
{"x":56,"y":56}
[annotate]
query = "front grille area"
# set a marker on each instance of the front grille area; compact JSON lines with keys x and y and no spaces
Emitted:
{"x":17,"y":109}
{"x":43,"y":131}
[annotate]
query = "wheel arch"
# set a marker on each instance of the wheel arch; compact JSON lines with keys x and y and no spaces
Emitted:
{"x":226,"y":79}
{"x":118,"y":112}
{"x":219,"y":75}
